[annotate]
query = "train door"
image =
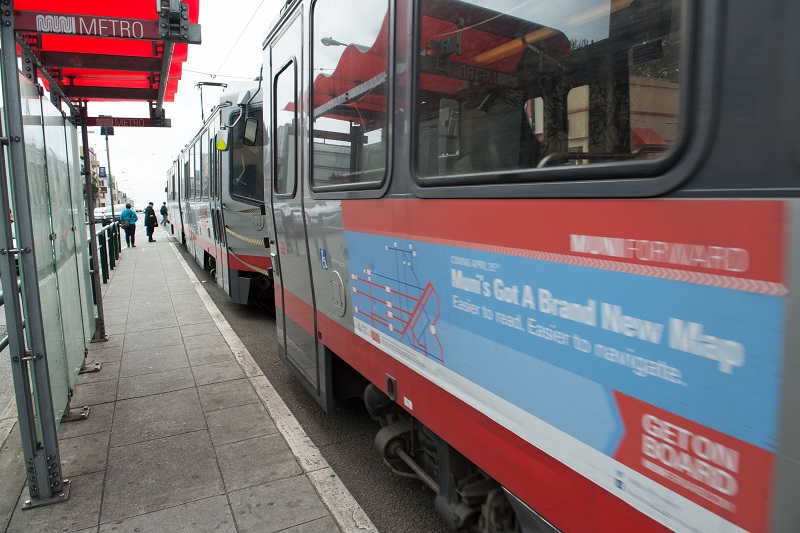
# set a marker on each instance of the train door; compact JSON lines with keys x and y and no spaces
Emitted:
{"x":294,"y":295}
{"x":185,"y":217}
{"x":217,"y":222}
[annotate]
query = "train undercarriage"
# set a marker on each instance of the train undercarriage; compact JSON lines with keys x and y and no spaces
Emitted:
{"x":245,"y":286}
{"x":465,"y":495}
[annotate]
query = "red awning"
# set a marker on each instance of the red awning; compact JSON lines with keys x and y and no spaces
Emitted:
{"x":101,"y":50}
{"x":645,"y":136}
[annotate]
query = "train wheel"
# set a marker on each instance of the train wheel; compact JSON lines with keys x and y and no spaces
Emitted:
{"x":392,"y":439}
{"x":497,"y":515}
{"x":212,"y":265}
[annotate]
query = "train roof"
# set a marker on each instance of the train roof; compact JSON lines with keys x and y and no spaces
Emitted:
{"x":242,"y":92}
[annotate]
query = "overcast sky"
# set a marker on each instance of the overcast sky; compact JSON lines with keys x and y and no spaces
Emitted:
{"x":231,"y":51}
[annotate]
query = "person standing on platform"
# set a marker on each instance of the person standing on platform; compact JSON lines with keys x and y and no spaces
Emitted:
{"x":150,"y":221}
{"x":164,"y":212}
{"x":127,"y":221}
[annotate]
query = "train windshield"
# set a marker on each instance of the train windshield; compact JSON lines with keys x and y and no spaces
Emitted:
{"x":247,"y":170}
{"x":544,"y":84}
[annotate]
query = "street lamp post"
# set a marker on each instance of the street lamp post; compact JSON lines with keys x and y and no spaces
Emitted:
{"x":330,"y":41}
{"x":110,"y":178}
{"x":116,"y":241}
{"x":109,"y":130}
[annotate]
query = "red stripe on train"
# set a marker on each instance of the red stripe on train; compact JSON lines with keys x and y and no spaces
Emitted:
{"x":246,"y":262}
{"x":234,"y":261}
{"x":740,"y":239}
{"x":564,"y":497}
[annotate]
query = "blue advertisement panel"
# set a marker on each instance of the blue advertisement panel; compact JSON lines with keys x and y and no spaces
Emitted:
{"x":556,"y":339}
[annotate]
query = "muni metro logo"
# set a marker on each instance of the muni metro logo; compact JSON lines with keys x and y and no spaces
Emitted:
{"x":55,"y":24}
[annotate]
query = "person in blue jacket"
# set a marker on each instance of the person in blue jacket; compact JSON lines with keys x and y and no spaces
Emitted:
{"x":127,"y":221}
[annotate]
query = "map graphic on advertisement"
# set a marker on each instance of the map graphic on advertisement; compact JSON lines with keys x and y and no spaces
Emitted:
{"x":395,"y":301}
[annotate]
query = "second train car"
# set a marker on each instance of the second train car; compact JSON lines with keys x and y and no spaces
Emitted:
{"x":215,"y":197}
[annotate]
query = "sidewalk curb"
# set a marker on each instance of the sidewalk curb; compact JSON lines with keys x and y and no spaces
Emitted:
{"x":6,"y":426}
{"x":344,"y":509}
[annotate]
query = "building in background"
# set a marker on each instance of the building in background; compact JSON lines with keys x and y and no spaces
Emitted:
{"x":102,"y":183}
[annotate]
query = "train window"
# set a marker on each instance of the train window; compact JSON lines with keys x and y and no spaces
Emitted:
{"x":350,"y":106}
{"x":544,"y":84}
{"x":285,"y":114}
{"x":204,"y":166}
{"x":212,"y":160}
{"x":578,"y":123}
{"x":196,"y":170}
{"x":192,"y":180}
{"x":247,"y":167}
{"x":186,"y":187}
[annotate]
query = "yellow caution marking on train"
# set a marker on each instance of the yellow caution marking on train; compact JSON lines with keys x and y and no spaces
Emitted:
{"x":250,"y":240}
{"x":245,"y":263}
{"x":252,"y":210}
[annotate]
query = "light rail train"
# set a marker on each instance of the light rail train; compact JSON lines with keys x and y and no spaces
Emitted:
{"x":215,"y":199}
{"x":552,"y":245}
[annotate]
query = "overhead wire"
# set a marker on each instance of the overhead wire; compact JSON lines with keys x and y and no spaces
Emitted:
{"x":218,"y":75}
{"x":253,"y":16}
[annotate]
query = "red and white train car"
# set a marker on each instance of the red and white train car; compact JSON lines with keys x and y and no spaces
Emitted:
{"x":553,"y":245}
{"x":215,"y":197}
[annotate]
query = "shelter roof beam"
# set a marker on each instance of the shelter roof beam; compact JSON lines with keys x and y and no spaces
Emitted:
{"x":101,"y":62}
{"x":111,"y":93}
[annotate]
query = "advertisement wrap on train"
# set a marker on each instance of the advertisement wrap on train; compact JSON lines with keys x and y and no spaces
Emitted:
{"x":655,"y":375}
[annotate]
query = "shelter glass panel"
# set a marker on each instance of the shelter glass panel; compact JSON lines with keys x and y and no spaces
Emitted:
{"x":45,"y":264}
{"x":350,"y":103}
{"x":62,"y":221}
{"x":247,"y":172}
{"x":81,"y":233}
{"x":545,"y":84}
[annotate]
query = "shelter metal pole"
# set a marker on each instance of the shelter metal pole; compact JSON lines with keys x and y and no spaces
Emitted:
{"x":110,"y":180}
{"x":100,"y":329}
{"x":162,"y":86}
{"x":34,"y":397}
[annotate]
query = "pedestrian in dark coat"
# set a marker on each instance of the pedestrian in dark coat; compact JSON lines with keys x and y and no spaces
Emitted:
{"x":150,"y":221}
{"x":164,"y":212}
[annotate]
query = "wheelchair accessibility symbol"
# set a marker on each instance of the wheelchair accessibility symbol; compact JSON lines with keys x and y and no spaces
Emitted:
{"x":323,"y":258}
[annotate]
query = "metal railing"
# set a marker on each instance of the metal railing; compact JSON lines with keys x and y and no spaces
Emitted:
{"x":109,"y":246}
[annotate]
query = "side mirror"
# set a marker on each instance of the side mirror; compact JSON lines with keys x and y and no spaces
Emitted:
{"x":250,"y":131}
{"x":166,"y":189}
{"x":221,"y":140}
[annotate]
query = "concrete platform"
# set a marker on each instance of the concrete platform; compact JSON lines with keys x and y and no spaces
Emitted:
{"x":185,"y":432}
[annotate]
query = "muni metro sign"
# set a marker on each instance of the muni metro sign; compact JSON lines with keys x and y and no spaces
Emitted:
{"x":128,"y":122}
{"x":96,"y":26}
